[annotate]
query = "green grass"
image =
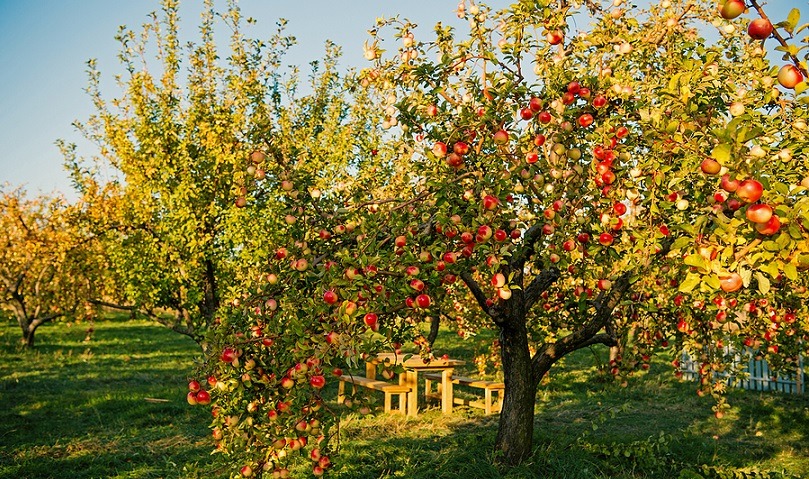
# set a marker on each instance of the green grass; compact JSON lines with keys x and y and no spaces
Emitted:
{"x":80,"y":409}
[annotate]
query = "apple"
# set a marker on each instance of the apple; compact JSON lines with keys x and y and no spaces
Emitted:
{"x":500,"y":235}
{"x":526,"y":114}
{"x":531,"y":157}
{"x":460,"y":148}
{"x":535,"y":104}
{"x":759,"y":29}
{"x":600,"y":101}
{"x":490,"y":202}
{"x":417,"y":284}
{"x":710,"y":166}
{"x":432,"y":110}
{"x":759,"y":213}
{"x":749,"y":191}
{"x":246,"y":471}
{"x":569,"y":245}
{"x":732,"y":9}
{"x":371,"y":320}
{"x":504,"y":294}
{"x":789,"y":76}
{"x":191,"y":397}
{"x":605,"y":239}
{"x":484,"y":233}
{"x":203,"y":397}
{"x":400,"y":241}
{"x":423,"y":301}
{"x":241,"y":202}
{"x":330,"y":297}
{"x":228,"y":355}
{"x":317,"y":381}
{"x":770,"y":227}
{"x":583,"y":238}
{"x":193,"y":386}
{"x":585,"y":120}
{"x":604,"y":284}
{"x":544,"y":117}
{"x":499,"y":280}
{"x":450,"y":257}
{"x":440,"y":149}
{"x":729,"y":185}
{"x":619,"y":208}
{"x":555,"y":37}
{"x":500,"y":137}
{"x":730,"y":283}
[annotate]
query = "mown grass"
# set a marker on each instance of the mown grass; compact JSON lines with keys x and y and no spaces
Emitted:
{"x":83,"y":409}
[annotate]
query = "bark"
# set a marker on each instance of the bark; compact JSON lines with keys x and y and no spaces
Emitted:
{"x":516,"y":429}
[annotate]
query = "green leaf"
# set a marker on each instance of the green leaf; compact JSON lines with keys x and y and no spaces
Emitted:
{"x":791,"y":271}
{"x":792,"y":20}
{"x":763,"y":283}
{"x":721,"y":153}
{"x":696,"y":260}
{"x":691,"y":281}
{"x":681,"y":242}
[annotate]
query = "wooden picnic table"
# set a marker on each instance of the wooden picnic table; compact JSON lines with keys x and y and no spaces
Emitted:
{"x":413,"y":366}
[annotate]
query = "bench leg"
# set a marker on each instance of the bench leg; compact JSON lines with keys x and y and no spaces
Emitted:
{"x":411,"y":380}
{"x":446,"y":391}
{"x":487,"y":401}
{"x":387,"y":402}
{"x":341,"y":392}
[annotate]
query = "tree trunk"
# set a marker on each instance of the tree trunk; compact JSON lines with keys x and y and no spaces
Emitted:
{"x":516,"y":430}
{"x":28,"y":337}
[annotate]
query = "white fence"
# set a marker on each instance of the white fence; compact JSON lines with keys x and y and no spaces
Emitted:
{"x":759,"y":377}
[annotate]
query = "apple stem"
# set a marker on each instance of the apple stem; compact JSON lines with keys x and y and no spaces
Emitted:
{"x":780,"y":38}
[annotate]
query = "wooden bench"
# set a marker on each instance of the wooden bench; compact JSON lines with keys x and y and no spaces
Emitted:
{"x":488,"y":405}
{"x":387,"y":388}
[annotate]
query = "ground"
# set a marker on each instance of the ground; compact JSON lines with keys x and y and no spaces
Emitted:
{"x":112,"y":404}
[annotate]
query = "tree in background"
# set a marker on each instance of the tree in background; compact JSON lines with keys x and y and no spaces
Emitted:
{"x":178,"y":163}
{"x":573,"y":187}
{"x":47,"y":267}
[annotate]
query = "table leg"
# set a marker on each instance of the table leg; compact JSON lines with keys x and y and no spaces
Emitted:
{"x":403,"y":397}
{"x":446,"y":391}
{"x":370,"y":370}
{"x":411,"y":380}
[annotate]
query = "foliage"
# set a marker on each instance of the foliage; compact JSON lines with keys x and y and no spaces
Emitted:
{"x":48,"y":268}
{"x":567,"y":189}
{"x":179,"y":148}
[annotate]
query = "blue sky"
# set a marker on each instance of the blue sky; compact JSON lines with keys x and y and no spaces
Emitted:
{"x":44,"y":46}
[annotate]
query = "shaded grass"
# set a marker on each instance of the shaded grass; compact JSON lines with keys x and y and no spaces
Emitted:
{"x":79,"y":409}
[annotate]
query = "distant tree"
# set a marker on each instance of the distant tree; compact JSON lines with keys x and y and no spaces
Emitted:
{"x":193,"y":138}
{"x":48,"y":269}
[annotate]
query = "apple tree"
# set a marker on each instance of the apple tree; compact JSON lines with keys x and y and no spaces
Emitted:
{"x":48,"y":268}
{"x":632,"y":182}
{"x":178,"y":150}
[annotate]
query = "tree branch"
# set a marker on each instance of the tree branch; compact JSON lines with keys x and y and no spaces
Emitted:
{"x":540,"y":283}
{"x":478,"y":293}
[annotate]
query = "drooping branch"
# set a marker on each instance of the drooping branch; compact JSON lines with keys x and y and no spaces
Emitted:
{"x":780,"y":38}
{"x":530,"y":238}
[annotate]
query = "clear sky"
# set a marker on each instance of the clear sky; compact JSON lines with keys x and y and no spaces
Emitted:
{"x":45,"y":44}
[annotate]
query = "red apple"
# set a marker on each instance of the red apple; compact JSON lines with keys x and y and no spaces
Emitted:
{"x":586,"y":120}
{"x":203,"y":397}
{"x":498,"y":280}
{"x":191,"y":397}
{"x":535,"y":104}
{"x":423,"y":301}
{"x":759,"y":29}
{"x":789,"y":76}
{"x":604,"y":284}
{"x":770,"y":227}
{"x":500,"y":235}
{"x":330,"y":297}
{"x":490,"y":202}
{"x":228,"y":355}
{"x":246,"y":471}
{"x":605,"y":239}
{"x":526,"y":113}
{"x":555,"y":37}
{"x":417,"y":284}
{"x":759,"y":213}
{"x":193,"y":386}
{"x":749,"y":191}
{"x":372,"y":321}
{"x":460,"y":148}
{"x":544,"y":117}
{"x":317,"y":381}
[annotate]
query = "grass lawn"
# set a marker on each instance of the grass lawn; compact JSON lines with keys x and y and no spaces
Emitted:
{"x":85,"y":409}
